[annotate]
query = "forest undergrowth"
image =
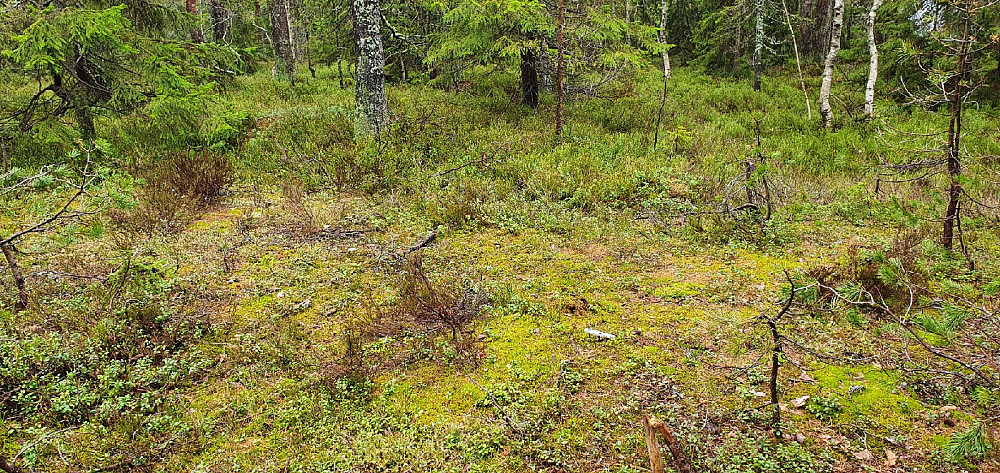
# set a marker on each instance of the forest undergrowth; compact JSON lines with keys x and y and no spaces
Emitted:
{"x":236,"y":284}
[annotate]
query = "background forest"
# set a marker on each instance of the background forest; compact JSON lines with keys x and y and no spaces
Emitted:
{"x":499,"y":235}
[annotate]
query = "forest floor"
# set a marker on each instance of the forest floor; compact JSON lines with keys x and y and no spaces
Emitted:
{"x":304,"y":321}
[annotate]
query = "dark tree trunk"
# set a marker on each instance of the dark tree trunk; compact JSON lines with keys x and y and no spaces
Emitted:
{"x":196,"y":34}
{"x":372,"y":111}
{"x":952,"y":216}
{"x":529,"y":78}
{"x":75,"y":99}
{"x":15,"y":270}
{"x":284,"y":60}
{"x":8,"y":467}
{"x":996,"y":70}
{"x":85,"y":118}
{"x":220,"y":20}
{"x":309,"y":60}
{"x":340,"y":73}
{"x":816,"y":27}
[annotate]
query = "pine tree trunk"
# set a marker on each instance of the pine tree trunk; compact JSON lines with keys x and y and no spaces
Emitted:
{"x":76,"y":98}
{"x":758,"y":44}
{"x":873,"y":65}
{"x":196,"y":34}
{"x":805,"y":9}
{"x":955,"y":140}
{"x":369,"y":82}
{"x":824,"y":94}
{"x":529,"y":78}
{"x":284,"y":62}
{"x":220,"y":20}
{"x":816,"y":14}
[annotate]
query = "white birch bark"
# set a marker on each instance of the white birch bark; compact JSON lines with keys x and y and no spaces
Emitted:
{"x":824,"y":93}
{"x":873,"y":65}
{"x":663,"y":38}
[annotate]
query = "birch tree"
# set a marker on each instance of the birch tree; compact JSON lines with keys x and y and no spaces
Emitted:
{"x":824,"y":93}
{"x":372,"y":111}
{"x":663,"y":40}
{"x":873,"y":65}
{"x":666,"y":69}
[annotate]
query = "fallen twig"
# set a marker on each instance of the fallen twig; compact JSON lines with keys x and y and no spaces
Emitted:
{"x":422,"y":244}
{"x":510,"y":422}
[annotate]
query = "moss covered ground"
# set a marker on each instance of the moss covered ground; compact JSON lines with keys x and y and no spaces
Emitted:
{"x":229,"y":342}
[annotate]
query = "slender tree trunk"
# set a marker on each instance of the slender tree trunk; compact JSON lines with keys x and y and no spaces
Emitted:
{"x":220,"y":20}
{"x":758,"y":44}
{"x":798,"y":62}
{"x":15,"y":270}
{"x":371,"y":107}
{"x":529,"y":78}
{"x":663,"y":39}
{"x":666,"y":70}
{"x":340,"y":73}
{"x":196,"y":34}
{"x":824,"y":94}
{"x":775,"y":365}
{"x":284,"y":61}
{"x":955,"y":140}
{"x":996,"y":70}
{"x":309,"y":59}
{"x":559,"y":70}
{"x":873,"y":65}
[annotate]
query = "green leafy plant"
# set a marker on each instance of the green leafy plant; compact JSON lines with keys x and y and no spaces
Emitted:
{"x":824,"y":408}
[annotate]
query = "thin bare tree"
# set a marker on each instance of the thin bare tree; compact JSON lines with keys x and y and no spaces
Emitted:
{"x":798,"y":62}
